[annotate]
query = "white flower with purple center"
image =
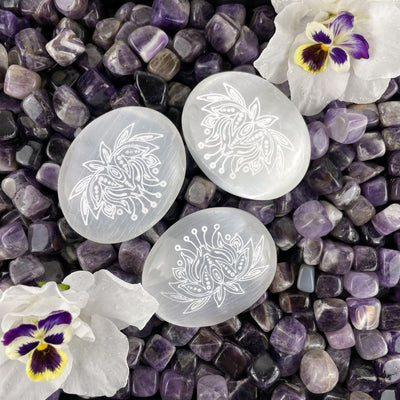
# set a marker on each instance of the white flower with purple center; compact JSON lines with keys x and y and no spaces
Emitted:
{"x":69,"y":339}
{"x":333,"y":49}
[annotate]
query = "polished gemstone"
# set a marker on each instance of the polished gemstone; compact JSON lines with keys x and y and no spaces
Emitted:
{"x":105,"y":32}
{"x":212,"y":387}
{"x":20,"y":81}
{"x":158,"y":352}
{"x":370,"y":344}
{"x":94,"y":256}
{"x":342,"y":338}
{"x":388,"y":267}
{"x":364,"y":313}
{"x":388,"y":220}
{"x":120,"y":60}
{"x":288,"y":336}
{"x":222,"y":32}
{"x":266,"y":315}
{"x":328,"y":285}
{"x":330,"y":314}
{"x":13,"y":241}
{"x":337,"y":258}
{"x":165,"y":64}
{"x":306,"y":278}
{"x":206,"y":344}
{"x":361,"y":284}
{"x":170,"y":14}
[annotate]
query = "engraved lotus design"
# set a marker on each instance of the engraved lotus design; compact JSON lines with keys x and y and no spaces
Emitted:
{"x":238,"y":137}
{"x":211,"y":265}
{"x":123,"y":180}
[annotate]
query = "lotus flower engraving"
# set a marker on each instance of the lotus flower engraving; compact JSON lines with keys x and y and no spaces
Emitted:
{"x":211,"y":265}
{"x":238,"y":137}
{"x":123,"y":180}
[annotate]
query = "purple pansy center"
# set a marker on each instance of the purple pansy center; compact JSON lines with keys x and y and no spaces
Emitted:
{"x":334,"y":43}
{"x":39,"y":341}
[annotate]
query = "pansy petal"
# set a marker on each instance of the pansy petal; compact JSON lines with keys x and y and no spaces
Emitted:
{"x":312,"y":58}
{"x":55,"y":318}
{"x":382,"y":31}
{"x":360,"y":91}
{"x":15,"y":333}
{"x":312,"y":92}
{"x":273,"y":61}
{"x":109,"y":293}
{"x":100,"y":367}
{"x":59,"y":334}
{"x":343,"y":23}
{"x":279,"y":5}
{"x":356,"y":45}
{"x":319,"y":33}
{"x":340,"y":60}
{"x":15,"y":384}
{"x":46,"y":364}
{"x":20,"y":347}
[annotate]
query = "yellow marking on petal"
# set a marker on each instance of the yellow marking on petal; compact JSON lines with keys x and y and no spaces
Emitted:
{"x":47,"y":375}
{"x":299,"y":60}
{"x":38,"y":334}
{"x":324,"y":47}
{"x":42,"y":346}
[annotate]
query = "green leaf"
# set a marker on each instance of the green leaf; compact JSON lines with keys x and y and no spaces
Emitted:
{"x":61,"y":286}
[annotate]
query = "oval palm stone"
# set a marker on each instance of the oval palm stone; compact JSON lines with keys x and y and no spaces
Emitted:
{"x":210,"y":266}
{"x":246,"y":136}
{"x":121,"y":174}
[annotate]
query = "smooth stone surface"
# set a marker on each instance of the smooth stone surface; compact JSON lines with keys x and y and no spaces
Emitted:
{"x":306,"y":279}
{"x":231,"y":360}
{"x":328,"y":285}
{"x":37,"y":106}
{"x":364,"y":313}
{"x":13,"y":241}
{"x":361,"y":284}
{"x":105,"y":32}
{"x":120,"y":60}
{"x":388,"y":220}
{"x":376,"y":191}
{"x":47,"y":175}
{"x":337,"y":258}
{"x":170,"y":14}
{"x":174,"y":386}
{"x":31,"y":203}
{"x":74,"y":9}
{"x":389,"y":113}
{"x":318,"y":371}
{"x":272,"y":138}
{"x":342,"y":338}
{"x":370,"y":146}
{"x":390,"y":316}
{"x":266,"y":315}
{"x":370,"y":345}
{"x":319,"y":139}
{"x":212,"y":387}
{"x":189,"y":44}
{"x":158,"y":352}
{"x":361,"y":376}
{"x":20,"y":81}
{"x":94,"y":256}
{"x":208,"y":64}
{"x":144,"y":381}
{"x":388,"y":267}
{"x":206,"y":344}
{"x":330,"y":314}
{"x":283,"y":279}
{"x":264,"y":371}
{"x":246,"y":266}
{"x":126,"y":174}
{"x":165,"y":64}
{"x":288,"y":336}
{"x":312,"y":250}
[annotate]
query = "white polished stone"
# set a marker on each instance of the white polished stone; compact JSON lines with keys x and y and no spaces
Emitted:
{"x":210,"y":266}
{"x":121,"y":174}
{"x":246,"y":136}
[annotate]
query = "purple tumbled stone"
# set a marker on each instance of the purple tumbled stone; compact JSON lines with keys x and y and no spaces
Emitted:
{"x":69,"y":107}
{"x":178,"y":335}
{"x":37,"y":106}
{"x":262,"y":22}
{"x":319,"y":139}
{"x":344,"y":125}
{"x":147,"y":41}
{"x":65,"y":48}
{"x":330,"y":314}
{"x":20,"y":81}
{"x":140,"y":15}
{"x":365,"y":259}
{"x":361,"y":284}
{"x":30,"y":44}
{"x":391,"y":137}
{"x":228,"y":327}
{"x":252,"y":339}
{"x":388,"y":267}
{"x":42,"y":11}
{"x":201,"y":12}
{"x":120,"y":60}
{"x":394,"y":163}
{"x":292,"y":301}
{"x":7,"y":158}
{"x":158,"y":352}
{"x":136,"y":346}
{"x":360,"y":396}
{"x":184,"y":362}
{"x":323,"y":177}
{"x":105,"y":32}
{"x":388,"y":370}
{"x":242,"y":389}
{"x":288,"y":336}
{"x":10,"y":24}
{"x":67,"y":23}
{"x":126,"y":29}
{"x":341,"y":155}
{"x":389,"y":113}
{"x":96,"y":90}
{"x":132,"y":255}
{"x":328,"y":285}
{"x":74,"y":9}
{"x":231,"y":360}
{"x":189,"y":44}
{"x":127,"y":96}
{"x":288,"y":391}
{"x":311,"y":250}
{"x":364,"y":313}
{"x":347,"y":195}
{"x":388,"y":220}
{"x":370,"y":146}
{"x":283,"y":279}
{"x":222,"y":32}
{"x":245,"y":50}
{"x":44,"y":238}
{"x":31,"y":203}
{"x":174,"y":386}
{"x":264,"y":370}
{"x":206,"y":65}
{"x":212,"y":387}
{"x":17,"y":180}
{"x":390,"y":317}
{"x":342,"y":338}
{"x":318,"y":372}
{"x":264,"y":210}
{"x":170,"y":14}
{"x":144,"y":381}
{"x":337,"y":258}
{"x":370,"y":344}
{"x":13,"y":241}
{"x":363,"y":171}
{"x":47,"y":175}
{"x":94,"y":256}
{"x":376,"y":191}
{"x":311,"y":220}
{"x":284,"y":232}
{"x":236,"y":11}
{"x":341,"y":358}
{"x":91,"y":58}
{"x":200,"y":192}
{"x":206,"y":344}
{"x":394,"y":189}
{"x":360,"y":211}
{"x":25,"y":269}
{"x":124,"y":12}
{"x":361,"y":376}
{"x":94,"y":13}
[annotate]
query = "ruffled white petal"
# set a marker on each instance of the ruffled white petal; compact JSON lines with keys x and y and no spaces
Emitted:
{"x":15,"y":384}
{"x":123,"y":303}
{"x":311,"y":93}
{"x":273,"y":61}
{"x":364,"y":92}
{"x":382,"y":31}
{"x":80,"y":281}
{"x":100,"y":367}
{"x":83,"y":330}
{"x":279,"y":5}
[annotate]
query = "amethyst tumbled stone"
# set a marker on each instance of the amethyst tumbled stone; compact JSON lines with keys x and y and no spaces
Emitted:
{"x":120,"y":60}
{"x":288,"y":336}
{"x":319,"y":139}
{"x":44,"y":238}
{"x":20,"y":81}
{"x":47,"y":175}
{"x":388,"y":220}
{"x":212,"y":387}
{"x":206,"y":65}
{"x":370,"y":344}
{"x":132,"y":255}
{"x":344,"y":125}
{"x":311,"y":220}
{"x":231,"y":360}
{"x":13,"y":241}
{"x":245,"y":50}
{"x":25,"y":269}
{"x":342,"y":338}
{"x":361,"y":284}
{"x":323,"y":177}
{"x":170,"y":14}
{"x":105,"y":32}
{"x":158,"y":352}
{"x":376,"y":191}
{"x":144,"y":381}
{"x":74,"y":9}
{"x":31,"y":203}
{"x":42,"y":11}
{"x":264,"y":371}
{"x":174,"y":386}
{"x":189,"y":44}
{"x":337,"y":258}
{"x":364,"y":313}
{"x":37,"y":106}
{"x":94,"y":256}
{"x":330,"y":314}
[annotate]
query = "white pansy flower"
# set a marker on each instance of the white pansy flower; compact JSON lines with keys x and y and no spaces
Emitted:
{"x":69,"y":339}
{"x":333,"y":49}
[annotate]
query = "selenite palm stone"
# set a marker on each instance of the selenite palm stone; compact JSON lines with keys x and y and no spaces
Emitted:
{"x":210,"y":266}
{"x":246,"y":136}
{"x":121,"y":174}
